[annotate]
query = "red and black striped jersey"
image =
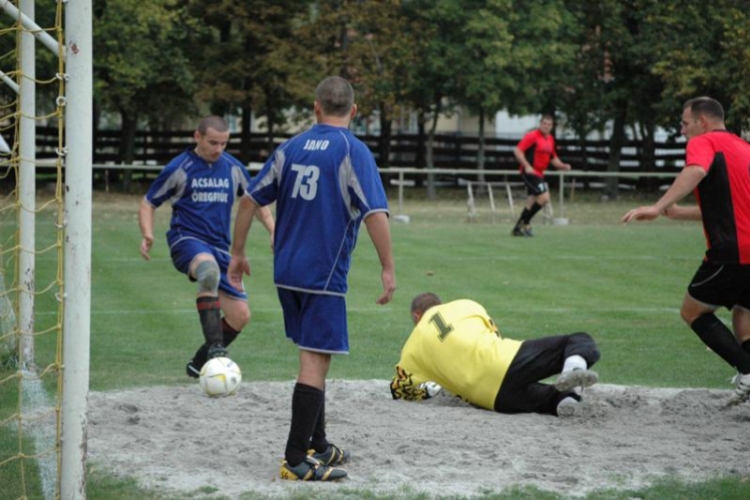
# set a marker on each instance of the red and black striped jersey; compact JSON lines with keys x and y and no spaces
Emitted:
{"x":724,"y":194}
{"x":539,"y":150}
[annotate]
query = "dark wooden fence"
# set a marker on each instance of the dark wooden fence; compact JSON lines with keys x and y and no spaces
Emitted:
{"x":450,"y":151}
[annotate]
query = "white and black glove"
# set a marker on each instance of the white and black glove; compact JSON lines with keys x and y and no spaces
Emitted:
{"x":432,"y":389}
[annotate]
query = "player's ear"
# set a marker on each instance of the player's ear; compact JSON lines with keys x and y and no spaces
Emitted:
{"x":704,"y":123}
{"x":197,"y":136}
{"x":353,"y":111}
{"x":416,"y":316}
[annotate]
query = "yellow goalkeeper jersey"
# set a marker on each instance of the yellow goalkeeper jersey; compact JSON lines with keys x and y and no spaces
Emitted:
{"x":458,"y":346}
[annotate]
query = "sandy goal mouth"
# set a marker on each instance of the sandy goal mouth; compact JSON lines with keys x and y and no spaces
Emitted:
{"x":176,"y":438}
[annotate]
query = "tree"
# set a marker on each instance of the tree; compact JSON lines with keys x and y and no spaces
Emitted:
{"x":481,"y":71}
{"x":704,"y":47}
{"x":251,"y":60}
{"x":141,"y":81}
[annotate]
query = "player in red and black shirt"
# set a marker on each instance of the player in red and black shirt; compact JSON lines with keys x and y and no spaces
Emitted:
{"x":717,"y":171}
{"x":535,"y":153}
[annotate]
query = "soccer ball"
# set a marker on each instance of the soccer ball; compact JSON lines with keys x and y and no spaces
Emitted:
{"x":220,"y":377}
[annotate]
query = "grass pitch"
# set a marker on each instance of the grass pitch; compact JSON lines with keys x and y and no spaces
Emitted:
{"x":623,"y":284}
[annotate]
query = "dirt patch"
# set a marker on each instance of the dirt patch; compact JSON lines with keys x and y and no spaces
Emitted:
{"x":175,"y":438}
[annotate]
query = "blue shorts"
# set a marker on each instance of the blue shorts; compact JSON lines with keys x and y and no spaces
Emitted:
{"x":184,"y":251}
{"x":315,"y":322}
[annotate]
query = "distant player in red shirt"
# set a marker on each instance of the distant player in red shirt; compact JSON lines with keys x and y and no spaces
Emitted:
{"x":535,"y":153}
{"x":717,"y":170}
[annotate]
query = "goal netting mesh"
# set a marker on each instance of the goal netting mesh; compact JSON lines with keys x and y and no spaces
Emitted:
{"x":31,"y":250}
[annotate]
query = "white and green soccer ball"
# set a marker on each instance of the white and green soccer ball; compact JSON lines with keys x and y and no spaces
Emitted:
{"x":220,"y":377}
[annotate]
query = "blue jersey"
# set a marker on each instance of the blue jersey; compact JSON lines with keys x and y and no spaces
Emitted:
{"x":324,"y":182}
{"x":202,"y":196}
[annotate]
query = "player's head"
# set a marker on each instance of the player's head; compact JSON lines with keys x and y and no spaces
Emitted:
{"x":421,"y":303}
{"x":546,"y":124}
{"x":334,"y":98}
{"x":701,"y":115}
{"x":211,"y":137}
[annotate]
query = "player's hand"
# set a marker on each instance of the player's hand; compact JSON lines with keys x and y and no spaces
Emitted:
{"x":641,"y":213}
{"x":566,"y":166}
{"x":671,"y":212}
{"x":389,"y":286}
{"x":238,"y":266}
{"x":146,"y":244}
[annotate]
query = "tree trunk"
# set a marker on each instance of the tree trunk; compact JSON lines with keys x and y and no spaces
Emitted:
{"x":270,"y":118}
{"x":615,"y":150}
{"x":386,"y":132}
{"x":419,"y":160}
{"x":246,"y":132}
{"x":430,"y":155}
{"x":127,"y":146}
{"x":481,"y":147}
{"x":647,"y":155}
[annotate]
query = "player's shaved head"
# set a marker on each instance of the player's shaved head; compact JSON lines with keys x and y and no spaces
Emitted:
{"x":335,"y":96}
{"x":215,"y":122}
{"x":424,"y":301}
{"x":706,"y":106}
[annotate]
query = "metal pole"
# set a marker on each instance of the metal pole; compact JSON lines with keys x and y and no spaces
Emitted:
{"x":10,"y":83}
{"x":77,"y":251}
{"x":27,"y":193}
{"x":29,"y":24}
{"x":562,"y":194}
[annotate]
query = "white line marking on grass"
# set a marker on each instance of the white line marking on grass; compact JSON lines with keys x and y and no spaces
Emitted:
{"x":42,"y":429}
{"x":264,"y":258}
{"x":582,"y":257}
{"x":379,"y":309}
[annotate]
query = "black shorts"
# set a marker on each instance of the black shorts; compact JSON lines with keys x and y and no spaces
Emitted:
{"x":725,"y":285}
{"x":535,"y":184}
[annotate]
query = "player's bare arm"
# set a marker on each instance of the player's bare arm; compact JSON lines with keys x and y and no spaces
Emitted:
{"x":146,"y":223}
{"x":559,"y":164}
{"x":264,"y":215}
{"x":239,"y":264}
{"x":683,"y":185}
{"x":521,"y":157}
{"x":380,"y":234}
{"x":677,"y":212}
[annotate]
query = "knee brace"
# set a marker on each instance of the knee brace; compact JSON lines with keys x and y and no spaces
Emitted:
{"x":208,"y":276}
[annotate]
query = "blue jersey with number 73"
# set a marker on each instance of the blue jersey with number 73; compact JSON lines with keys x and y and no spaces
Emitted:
{"x":324,"y":182}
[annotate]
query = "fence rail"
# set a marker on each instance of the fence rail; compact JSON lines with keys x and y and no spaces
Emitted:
{"x":407,"y":150}
{"x":402,"y":177}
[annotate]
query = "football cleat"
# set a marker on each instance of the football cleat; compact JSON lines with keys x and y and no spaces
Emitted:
{"x":568,"y":407}
{"x":311,"y":470}
{"x":742,"y":390}
{"x":576,"y":378}
{"x":217,"y":351}
{"x":517,"y":231}
{"x":332,"y":456}
{"x":193,"y":370}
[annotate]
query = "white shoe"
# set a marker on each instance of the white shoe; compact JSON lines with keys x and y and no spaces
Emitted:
{"x":568,"y":407}
{"x":741,"y":390}
{"x":576,"y":378}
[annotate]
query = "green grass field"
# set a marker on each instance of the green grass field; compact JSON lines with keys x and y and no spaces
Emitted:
{"x":621,"y":283}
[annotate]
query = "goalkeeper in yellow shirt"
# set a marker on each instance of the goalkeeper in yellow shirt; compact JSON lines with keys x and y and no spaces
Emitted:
{"x":457,"y":347}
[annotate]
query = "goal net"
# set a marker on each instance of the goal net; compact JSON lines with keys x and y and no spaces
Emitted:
{"x":34,"y":240}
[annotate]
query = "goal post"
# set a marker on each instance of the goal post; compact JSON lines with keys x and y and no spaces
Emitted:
{"x":77,"y":252}
{"x":60,"y":452}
